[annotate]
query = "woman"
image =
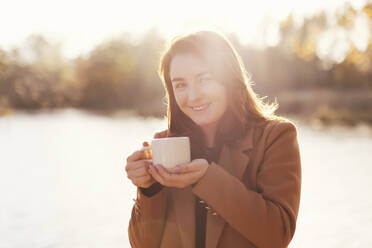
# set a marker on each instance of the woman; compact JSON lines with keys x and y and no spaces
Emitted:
{"x":242,"y":187}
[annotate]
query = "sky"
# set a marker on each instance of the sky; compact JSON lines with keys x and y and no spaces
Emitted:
{"x":81,"y":25}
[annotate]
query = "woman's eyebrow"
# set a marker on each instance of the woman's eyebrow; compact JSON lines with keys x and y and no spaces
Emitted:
{"x":181,"y":79}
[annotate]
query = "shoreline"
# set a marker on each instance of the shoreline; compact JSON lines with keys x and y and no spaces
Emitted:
{"x":360,"y":128}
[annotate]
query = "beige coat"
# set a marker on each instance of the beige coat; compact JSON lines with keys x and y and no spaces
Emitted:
{"x":253,"y":192}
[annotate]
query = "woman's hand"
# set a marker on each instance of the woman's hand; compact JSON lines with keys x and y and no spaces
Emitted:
{"x":181,"y":176}
{"x":137,"y":168}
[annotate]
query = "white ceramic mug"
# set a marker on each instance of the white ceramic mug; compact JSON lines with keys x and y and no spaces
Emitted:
{"x":170,"y":152}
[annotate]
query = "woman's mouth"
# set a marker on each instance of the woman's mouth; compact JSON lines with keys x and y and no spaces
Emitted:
{"x":200,"y":107}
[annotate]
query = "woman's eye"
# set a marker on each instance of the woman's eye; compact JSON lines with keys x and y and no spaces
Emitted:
{"x":179,"y":85}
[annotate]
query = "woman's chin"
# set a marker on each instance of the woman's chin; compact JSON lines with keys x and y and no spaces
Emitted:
{"x":205,"y":124}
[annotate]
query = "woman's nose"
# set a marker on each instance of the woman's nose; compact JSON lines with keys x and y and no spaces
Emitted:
{"x":193,"y":94}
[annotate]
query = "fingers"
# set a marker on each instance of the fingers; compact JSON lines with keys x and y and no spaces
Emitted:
{"x":173,"y":180}
{"x":139,"y":172}
{"x":162,"y":176}
{"x":137,"y":164}
{"x":143,"y":180}
{"x":165,"y":174}
{"x":146,"y":149}
{"x":193,"y":166}
{"x":183,"y":168}
{"x":139,"y":175}
{"x":140,"y":154}
{"x":155,"y":174}
{"x":137,"y":155}
{"x":145,"y":143}
{"x":137,"y":167}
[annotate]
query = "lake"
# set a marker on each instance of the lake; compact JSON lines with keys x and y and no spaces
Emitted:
{"x":63,"y":184}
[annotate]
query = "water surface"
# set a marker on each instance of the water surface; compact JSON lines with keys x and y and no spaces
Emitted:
{"x":62,"y":181}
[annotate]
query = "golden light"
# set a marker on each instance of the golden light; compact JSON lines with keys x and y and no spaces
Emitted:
{"x":81,"y":25}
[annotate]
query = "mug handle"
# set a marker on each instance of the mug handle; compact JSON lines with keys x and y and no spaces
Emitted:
{"x":144,"y":148}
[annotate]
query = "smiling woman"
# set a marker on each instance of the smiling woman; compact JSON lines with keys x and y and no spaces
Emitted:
{"x":242,"y":187}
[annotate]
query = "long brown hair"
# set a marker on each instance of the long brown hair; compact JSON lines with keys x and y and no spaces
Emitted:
{"x":244,"y":109}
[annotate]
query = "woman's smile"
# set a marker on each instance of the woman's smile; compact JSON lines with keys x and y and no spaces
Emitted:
{"x":200,"y":108}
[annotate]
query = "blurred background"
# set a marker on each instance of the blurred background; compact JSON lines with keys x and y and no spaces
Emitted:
{"x":79,"y":92}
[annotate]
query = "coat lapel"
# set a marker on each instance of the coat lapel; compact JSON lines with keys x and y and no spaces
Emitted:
{"x":234,"y":160}
{"x":184,"y":201}
{"x":239,"y":155}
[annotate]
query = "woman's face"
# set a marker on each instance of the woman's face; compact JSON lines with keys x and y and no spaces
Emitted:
{"x":197,"y":93}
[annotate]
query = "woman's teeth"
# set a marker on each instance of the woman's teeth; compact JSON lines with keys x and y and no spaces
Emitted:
{"x":198,"y":108}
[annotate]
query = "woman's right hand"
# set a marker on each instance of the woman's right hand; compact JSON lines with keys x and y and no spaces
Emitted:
{"x":137,"y":168}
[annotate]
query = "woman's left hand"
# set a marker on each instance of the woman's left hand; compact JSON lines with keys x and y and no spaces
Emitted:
{"x":182,"y":175}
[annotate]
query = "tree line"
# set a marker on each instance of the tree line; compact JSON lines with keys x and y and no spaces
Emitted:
{"x":122,"y":73}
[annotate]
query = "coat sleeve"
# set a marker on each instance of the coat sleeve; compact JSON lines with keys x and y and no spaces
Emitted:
{"x":147,"y":220}
{"x":267,"y":218}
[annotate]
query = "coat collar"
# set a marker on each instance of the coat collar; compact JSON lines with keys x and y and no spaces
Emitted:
{"x":233,"y":159}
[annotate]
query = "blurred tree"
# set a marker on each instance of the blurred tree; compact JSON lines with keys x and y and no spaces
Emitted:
{"x":34,"y":76}
{"x":106,"y":76}
{"x":4,"y":98}
{"x":122,"y":73}
{"x":147,"y":83}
